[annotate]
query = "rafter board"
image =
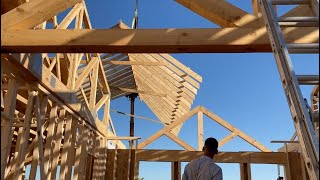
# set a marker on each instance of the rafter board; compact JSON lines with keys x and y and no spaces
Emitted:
{"x":151,"y":40}
{"x":32,"y":13}
{"x":182,"y":67}
{"x":170,"y":82}
{"x":172,"y":95}
{"x":160,"y":114}
{"x":221,"y":13}
{"x":164,"y":71}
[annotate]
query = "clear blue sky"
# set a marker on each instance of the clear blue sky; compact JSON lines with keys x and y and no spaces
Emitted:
{"x":244,"y":89}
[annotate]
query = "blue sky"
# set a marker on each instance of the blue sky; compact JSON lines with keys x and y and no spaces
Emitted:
{"x":243,"y":89}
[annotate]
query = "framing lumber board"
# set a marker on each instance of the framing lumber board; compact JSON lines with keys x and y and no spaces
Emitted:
{"x":179,"y":141}
{"x":65,"y":154}
{"x":23,"y":142}
{"x":7,"y":5}
{"x":57,"y":145}
{"x":200,"y":131}
{"x":6,"y":129}
{"x":228,"y":126}
{"x":93,"y":88}
{"x":182,"y":67}
{"x":32,"y":13}
{"x":168,"y":128}
{"x":245,"y":171}
{"x":38,"y":155}
{"x":171,"y":72}
{"x":71,"y":151}
{"x":140,"y":92}
{"x":157,"y":81}
{"x":295,"y":166}
{"x":150,"y":40}
{"x":70,"y":16}
{"x":136,"y":63}
{"x":122,"y":171}
{"x":227,"y":138}
{"x":80,"y":152}
{"x":175,"y":170}
{"x":49,"y":139}
{"x":221,"y":13}
{"x":221,"y":157}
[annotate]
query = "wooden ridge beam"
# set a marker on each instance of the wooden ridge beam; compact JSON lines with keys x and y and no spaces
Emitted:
{"x":217,"y":40}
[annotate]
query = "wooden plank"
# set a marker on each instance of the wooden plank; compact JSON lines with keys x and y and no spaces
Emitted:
{"x":101,"y":102}
{"x":25,"y":136}
{"x":228,"y":126}
{"x":6,"y":129}
{"x":49,"y":139}
{"x":65,"y":156}
{"x":110,"y":164}
{"x":85,"y":73}
{"x":136,"y":63}
{"x":179,"y":141}
{"x":71,"y":152}
{"x":122,"y":164}
{"x":80,"y":165}
{"x":168,"y":128}
{"x":57,"y":144}
{"x":200,"y":131}
{"x":221,"y":157}
{"x":182,"y":67}
{"x":245,"y":171}
{"x":32,"y":13}
{"x":151,"y":40}
{"x":139,"y":91}
{"x":38,"y":155}
{"x":221,"y":13}
{"x":175,"y":170}
{"x":227,"y":138}
{"x":295,"y":166}
{"x":93,"y":88}
{"x":79,"y":152}
{"x":70,"y":16}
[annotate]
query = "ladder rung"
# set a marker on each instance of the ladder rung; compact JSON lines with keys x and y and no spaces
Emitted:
{"x":299,"y":21}
{"x":289,"y":2}
{"x":303,"y":48}
{"x":308,"y":79}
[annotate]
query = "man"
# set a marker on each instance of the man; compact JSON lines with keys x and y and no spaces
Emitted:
{"x":204,"y":167}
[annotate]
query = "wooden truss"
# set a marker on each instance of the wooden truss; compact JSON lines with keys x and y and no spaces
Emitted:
{"x":200,"y":111}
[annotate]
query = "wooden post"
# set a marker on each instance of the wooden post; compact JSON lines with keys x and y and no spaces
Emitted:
{"x":9,"y":107}
{"x":200,"y":130}
{"x":175,"y":170}
{"x":294,"y":169}
{"x":245,"y":171}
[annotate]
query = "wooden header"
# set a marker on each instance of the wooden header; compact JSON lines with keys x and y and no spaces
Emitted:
{"x":221,"y":157}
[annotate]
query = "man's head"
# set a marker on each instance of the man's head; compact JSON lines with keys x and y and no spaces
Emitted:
{"x":210,"y":147}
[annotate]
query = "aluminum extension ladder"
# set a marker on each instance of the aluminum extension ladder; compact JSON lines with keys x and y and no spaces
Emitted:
{"x":298,"y":107}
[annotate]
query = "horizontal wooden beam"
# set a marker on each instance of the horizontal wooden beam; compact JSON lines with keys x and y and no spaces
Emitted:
{"x":216,"y":40}
{"x":221,"y":157}
{"x":136,"y":63}
{"x":140,"y":92}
